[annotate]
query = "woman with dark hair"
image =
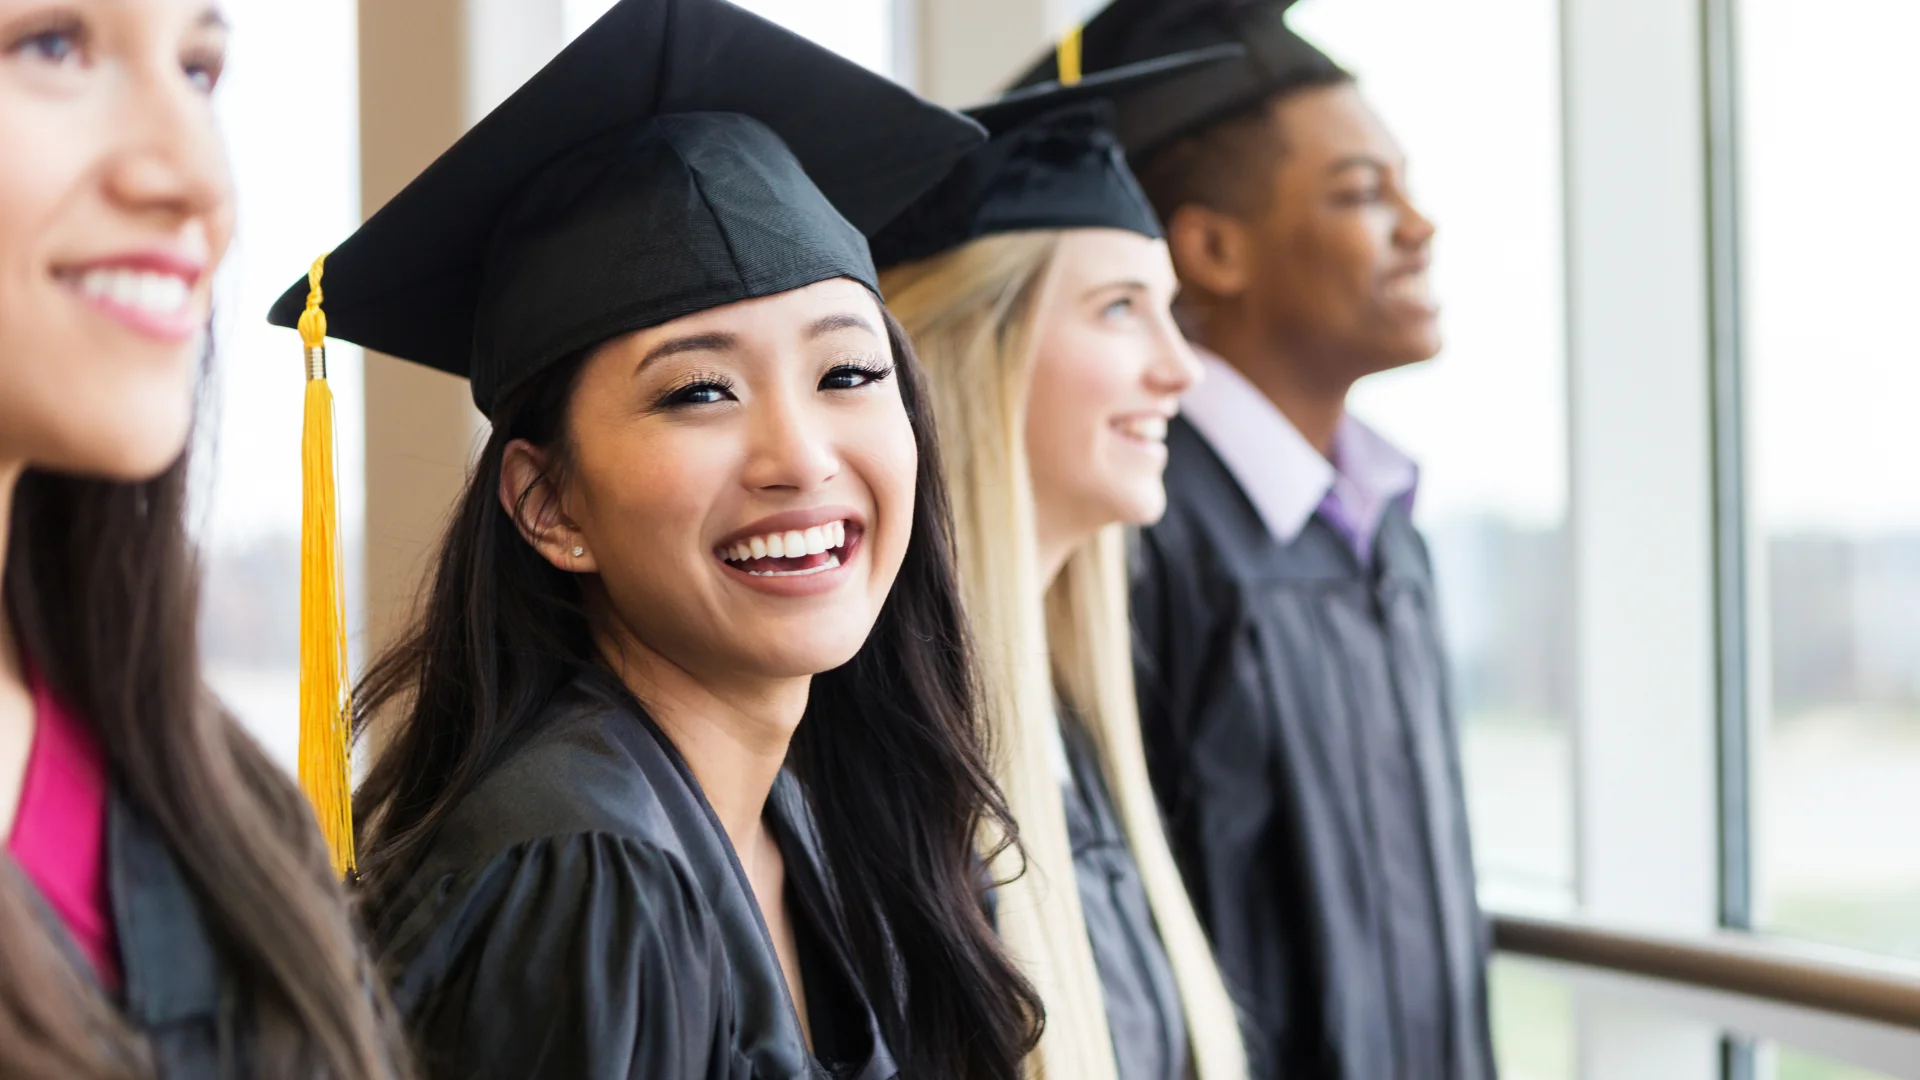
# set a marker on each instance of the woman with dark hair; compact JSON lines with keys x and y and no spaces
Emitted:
{"x":682,"y":776}
{"x":166,"y":905}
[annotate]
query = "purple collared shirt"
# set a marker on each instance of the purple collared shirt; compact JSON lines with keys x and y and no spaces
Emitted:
{"x":1284,"y":476}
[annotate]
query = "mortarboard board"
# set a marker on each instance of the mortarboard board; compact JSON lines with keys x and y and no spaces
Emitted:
{"x":1131,"y":31}
{"x":677,"y":156}
{"x":1051,"y":162}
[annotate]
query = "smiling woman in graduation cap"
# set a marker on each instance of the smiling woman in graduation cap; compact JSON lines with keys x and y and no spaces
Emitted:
{"x":1036,"y":286}
{"x":682,"y":776}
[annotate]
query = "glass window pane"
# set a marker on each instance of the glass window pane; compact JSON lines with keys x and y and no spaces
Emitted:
{"x":288,"y":104}
{"x":1827,"y":95}
{"x":1782,"y":1063}
{"x":860,"y":30}
{"x":1533,"y":1023}
{"x":1471,"y":89}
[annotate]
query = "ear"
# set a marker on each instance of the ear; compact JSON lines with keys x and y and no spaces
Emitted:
{"x":531,"y":497}
{"x":1211,"y":251}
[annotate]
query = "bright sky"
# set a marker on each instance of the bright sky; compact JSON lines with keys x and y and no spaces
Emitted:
{"x":1470,"y":87}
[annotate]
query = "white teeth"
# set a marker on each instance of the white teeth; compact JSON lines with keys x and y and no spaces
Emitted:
{"x":155,"y":294}
{"x":792,"y":544}
{"x":1410,"y":287}
{"x":832,"y":561}
{"x":1150,"y":428}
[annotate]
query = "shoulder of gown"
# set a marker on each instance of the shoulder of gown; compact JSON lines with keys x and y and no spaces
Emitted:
{"x":557,"y":863}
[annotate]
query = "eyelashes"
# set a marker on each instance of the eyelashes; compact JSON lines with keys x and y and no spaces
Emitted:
{"x":853,"y":375}
{"x":713,"y":387}
{"x":699,"y":388}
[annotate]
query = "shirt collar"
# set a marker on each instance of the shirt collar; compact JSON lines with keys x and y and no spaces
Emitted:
{"x":1282,"y":474}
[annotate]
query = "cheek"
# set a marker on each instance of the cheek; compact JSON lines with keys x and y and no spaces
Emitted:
{"x":643,"y":496}
{"x":885,"y":459}
{"x":1079,"y":384}
{"x":76,"y":393}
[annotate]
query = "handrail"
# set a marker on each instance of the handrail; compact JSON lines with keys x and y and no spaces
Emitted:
{"x":1732,"y":963}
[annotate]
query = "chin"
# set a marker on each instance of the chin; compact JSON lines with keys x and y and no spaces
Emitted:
{"x":1143,"y":505}
{"x":799,"y":656}
{"x":134,"y":448}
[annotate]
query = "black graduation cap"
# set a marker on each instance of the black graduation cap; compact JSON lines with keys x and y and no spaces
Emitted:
{"x":677,"y":156}
{"x":1051,"y":162}
{"x":1130,"y":31}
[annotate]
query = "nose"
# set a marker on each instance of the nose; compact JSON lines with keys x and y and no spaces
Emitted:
{"x":172,"y":166}
{"x":1174,"y":368}
{"x":1414,"y":229}
{"x":792,"y":444}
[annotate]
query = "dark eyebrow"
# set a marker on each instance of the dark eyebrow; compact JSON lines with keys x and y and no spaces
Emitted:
{"x":842,"y":321}
{"x":213,"y":20}
{"x":690,"y":343}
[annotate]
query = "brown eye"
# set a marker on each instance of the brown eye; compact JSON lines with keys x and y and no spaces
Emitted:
{"x":854,"y":376}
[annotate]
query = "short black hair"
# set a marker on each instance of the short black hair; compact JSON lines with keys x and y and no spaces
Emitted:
{"x":1224,"y":164}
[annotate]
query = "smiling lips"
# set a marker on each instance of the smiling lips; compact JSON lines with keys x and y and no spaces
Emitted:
{"x":152,"y":295}
{"x":1146,"y":428}
{"x":793,"y":553}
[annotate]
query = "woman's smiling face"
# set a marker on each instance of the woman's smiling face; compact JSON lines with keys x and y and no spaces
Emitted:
{"x":742,"y":482}
{"x":115,"y":208}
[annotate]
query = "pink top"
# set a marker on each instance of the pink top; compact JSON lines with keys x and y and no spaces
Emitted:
{"x":60,"y":833}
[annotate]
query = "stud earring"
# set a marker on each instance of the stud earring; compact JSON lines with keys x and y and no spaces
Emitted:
{"x":578,"y":551}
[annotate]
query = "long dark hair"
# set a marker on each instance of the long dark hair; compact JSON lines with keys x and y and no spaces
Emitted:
{"x":102,"y":589}
{"x":891,"y":751}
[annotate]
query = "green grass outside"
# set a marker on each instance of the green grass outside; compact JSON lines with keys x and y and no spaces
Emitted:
{"x":1792,"y":1066}
{"x":1887,"y":924}
{"x":1533,"y":1025}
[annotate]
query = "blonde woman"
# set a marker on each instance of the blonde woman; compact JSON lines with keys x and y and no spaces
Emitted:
{"x":1036,"y":287}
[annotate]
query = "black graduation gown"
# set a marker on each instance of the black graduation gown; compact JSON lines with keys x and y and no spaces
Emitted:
{"x":582,"y":915}
{"x":1302,"y":744}
{"x":1144,"y":1013}
{"x":176,"y":987}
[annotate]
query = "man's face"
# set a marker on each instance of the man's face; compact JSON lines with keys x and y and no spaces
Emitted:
{"x":1337,"y":256}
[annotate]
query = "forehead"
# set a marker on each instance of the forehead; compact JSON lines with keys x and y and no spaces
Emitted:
{"x":1097,"y":255}
{"x":781,"y":315}
{"x":1325,"y":124}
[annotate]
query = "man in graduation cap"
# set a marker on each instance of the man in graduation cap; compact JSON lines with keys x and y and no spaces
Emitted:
{"x":1294,"y":688}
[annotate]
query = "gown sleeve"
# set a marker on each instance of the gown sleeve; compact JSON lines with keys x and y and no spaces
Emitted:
{"x":588,"y":957}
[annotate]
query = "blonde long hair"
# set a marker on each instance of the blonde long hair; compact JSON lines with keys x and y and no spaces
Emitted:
{"x":971,"y":314}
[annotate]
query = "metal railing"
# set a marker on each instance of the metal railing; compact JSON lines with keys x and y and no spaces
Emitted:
{"x":1731,"y":963}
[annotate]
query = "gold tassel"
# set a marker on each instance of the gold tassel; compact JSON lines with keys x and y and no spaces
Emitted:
{"x":1067,"y":57}
{"x":326,"y":704}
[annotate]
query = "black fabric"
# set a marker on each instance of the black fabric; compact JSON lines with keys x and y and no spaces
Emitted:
{"x":678,"y":155}
{"x":1144,"y":1012}
{"x":1299,"y":734}
{"x":1131,"y":31}
{"x":582,"y":915}
{"x":1051,"y":162}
